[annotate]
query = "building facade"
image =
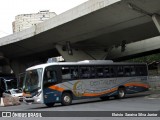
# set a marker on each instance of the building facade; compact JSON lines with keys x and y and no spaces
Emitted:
{"x":25,"y":21}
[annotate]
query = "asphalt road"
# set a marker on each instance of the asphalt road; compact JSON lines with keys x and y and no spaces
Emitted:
{"x":136,"y":102}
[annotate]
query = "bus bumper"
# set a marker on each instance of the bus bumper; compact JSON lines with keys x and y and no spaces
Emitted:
{"x":32,"y":100}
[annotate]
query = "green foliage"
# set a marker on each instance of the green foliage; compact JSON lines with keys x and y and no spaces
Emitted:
{"x":146,"y":59}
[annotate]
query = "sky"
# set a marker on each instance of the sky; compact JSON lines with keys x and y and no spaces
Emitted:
{"x":11,"y":8}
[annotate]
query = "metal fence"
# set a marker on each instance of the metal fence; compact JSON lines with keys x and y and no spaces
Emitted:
{"x":154,"y":82}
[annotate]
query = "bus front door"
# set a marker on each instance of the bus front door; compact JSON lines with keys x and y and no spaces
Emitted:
{"x":50,"y":79}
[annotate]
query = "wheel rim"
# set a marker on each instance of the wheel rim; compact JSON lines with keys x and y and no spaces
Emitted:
{"x":67,"y":99}
{"x":121,"y":93}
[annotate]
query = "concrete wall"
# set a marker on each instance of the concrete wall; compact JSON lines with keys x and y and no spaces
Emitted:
{"x":154,"y":82}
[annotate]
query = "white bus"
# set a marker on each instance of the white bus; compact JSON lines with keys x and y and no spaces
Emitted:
{"x":62,"y":82}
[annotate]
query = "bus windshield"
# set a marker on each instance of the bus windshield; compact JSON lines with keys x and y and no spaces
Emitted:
{"x":32,"y":80}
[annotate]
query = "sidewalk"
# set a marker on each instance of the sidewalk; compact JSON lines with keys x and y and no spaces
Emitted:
{"x":8,"y":100}
{"x":154,"y":94}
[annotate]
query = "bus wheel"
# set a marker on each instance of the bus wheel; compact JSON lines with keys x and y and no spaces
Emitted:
{"x":121,"y":93}
{"x":104,"y":98}
{"x":66,"y":99}
{"x":49,"y":104}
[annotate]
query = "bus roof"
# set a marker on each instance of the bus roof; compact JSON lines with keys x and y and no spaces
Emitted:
{"x":85,"y":62}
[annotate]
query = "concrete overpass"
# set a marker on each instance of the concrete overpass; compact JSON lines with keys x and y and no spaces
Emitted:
{"x":92,"y":30}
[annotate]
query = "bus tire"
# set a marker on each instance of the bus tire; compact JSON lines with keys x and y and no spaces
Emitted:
{"x":66,"y":99}
{"x":121,"y":93}
{"x":49,"y":104}
{"x":104,"y":98}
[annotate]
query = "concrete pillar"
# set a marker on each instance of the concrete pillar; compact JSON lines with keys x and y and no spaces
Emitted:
{"x":156,"y":20}
{"x":1,"y":55}
{"x":6,"y":69}
{"x":20,"y":65}
{"x":4,"y":65}
{"x":77,"y":55}
{"x":17,"y":67}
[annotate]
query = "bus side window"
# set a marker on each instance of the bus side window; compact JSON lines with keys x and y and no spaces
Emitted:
{"x":106,"y":72}
{"x":100,"y":72}
{"x":112,"y":71}
{"x":85,"y":72}
{"x":137,"y":71}
{"x":133,"y":71}
{"x":92,"y":72}
{"x":50,"y":76}
{"x":120,"y":71}
{"x":141,"y":70}
{"x":66,"y":73}
{"x":144,"y":68}
{"x":127,"y":71}
{"x":74,"y":72}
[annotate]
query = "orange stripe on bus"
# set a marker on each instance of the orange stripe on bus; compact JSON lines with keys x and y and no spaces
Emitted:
{"x":100,"y":93}
{"x":137,"y":84}
{"x":54,"y":87}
